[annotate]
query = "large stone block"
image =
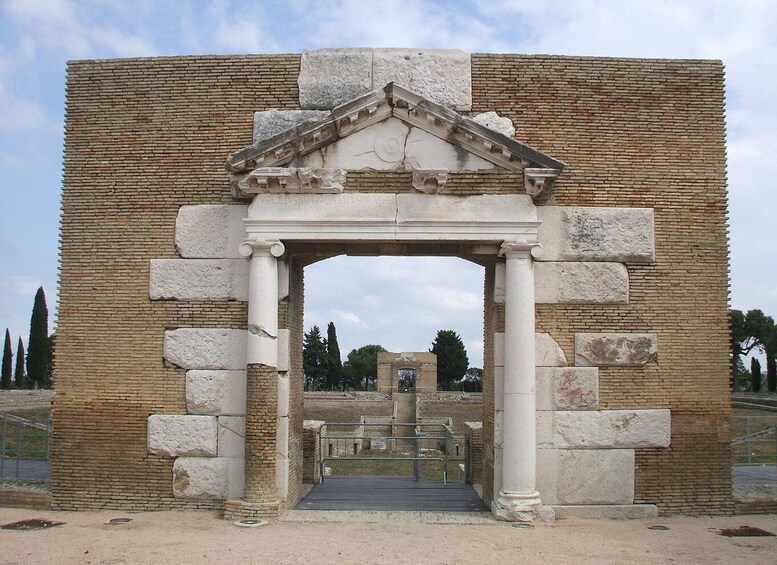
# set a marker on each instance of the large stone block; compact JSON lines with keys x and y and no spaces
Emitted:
{"x":216,"y":392}
{"x":596,"y":234}
{"x":567,"y":388}
{"x":270,"y":123}
{"x":174,"y":435}
{"x":208,"y":478}
{"x":206,"y":348}
{"x":607,"y":511}
{"x":548,"y":353}
{"x":495,"y":122}
{"x":613,"y":429}
{"x":330,"y":77}
{"x":210,"y":231}
{"x":602,"y":349}
{"x":198,"y":279}
{"x":595,"y":476}
{"x":581,"y":283}
{"x":232,"y":436}
{"x":440,"y":75}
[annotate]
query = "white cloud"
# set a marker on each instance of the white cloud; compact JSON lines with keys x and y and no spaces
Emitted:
{"x":349,"y":318}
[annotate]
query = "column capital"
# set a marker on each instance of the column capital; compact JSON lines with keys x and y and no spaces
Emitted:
{"x":521,"y":249}
{"x":262,"y":247}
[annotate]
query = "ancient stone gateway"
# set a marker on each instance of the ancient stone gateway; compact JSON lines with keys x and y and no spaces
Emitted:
{"x":587,"y":263}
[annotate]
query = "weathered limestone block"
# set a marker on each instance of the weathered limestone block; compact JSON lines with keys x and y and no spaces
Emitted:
{"x":607,"y":511}
{"x":426,"y":151}
{"x":284,"y":356}
{"x":232,"y":436}
{"x":570,"y":233}
{"x":198,"y":279}
{"x":567,"y":388}
{"x":494,"y":121}
{"x":174,"y":435}
{"x":330,"y":77}
{"x":581,"y":283}
{"x":602,"y":349}
{"x":208,"y":478}
{"x":216,"y":392}
{"x":284,"y":387}
{"x":210,"y":231}
{"x":291,"y":180}
{"x":585,"y":476}
{"x":430,"y":181}
{"x":547,"y":352}
{"x":605,"y":429}
{"x":206,"y":348}
{"x":440,"y":75}
{"x":270,"y":123}
{"x":500,"y":281}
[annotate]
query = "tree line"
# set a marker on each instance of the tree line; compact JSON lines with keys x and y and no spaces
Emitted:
{"x":40,"y":346}
{"x":753,"y":331}
{"x":324,"y":370}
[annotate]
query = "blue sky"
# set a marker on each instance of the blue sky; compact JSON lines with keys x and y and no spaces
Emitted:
{"x":37,"y":37}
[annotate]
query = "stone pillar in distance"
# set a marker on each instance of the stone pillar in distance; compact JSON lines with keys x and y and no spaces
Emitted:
{"x":518,"y":500}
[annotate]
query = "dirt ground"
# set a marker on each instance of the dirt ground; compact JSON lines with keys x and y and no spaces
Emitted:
{"x":189,"y":537}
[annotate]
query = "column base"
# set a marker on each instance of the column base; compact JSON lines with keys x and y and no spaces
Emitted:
{"x":516,"y":507}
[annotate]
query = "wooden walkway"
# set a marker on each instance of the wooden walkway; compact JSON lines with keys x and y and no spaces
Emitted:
{"x":391,"y":493}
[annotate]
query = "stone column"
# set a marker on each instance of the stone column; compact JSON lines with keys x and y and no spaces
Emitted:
{"x":518,"y":500}
{"x":261,"y":497}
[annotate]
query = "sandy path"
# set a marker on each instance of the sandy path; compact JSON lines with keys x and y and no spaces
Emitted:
{"x":188,"y":537}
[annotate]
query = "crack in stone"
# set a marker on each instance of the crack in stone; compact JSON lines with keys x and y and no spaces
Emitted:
{"x":260,"y":331}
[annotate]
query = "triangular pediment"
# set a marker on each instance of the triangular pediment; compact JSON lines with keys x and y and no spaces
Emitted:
{"x":392,"y":129}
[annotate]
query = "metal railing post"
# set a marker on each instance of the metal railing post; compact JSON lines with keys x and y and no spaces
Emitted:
{"x":18,"y":446}
{"x":320,"y":455}
{"x":747,"y":435}
{"x":5,"y":435}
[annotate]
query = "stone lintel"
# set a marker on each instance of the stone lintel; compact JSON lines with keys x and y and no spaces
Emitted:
{"x":606,"y":429}
{"x":620,"y":349}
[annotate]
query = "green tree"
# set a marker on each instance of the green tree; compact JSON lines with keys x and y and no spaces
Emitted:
{"x":754,"y":331}
{"x":314,"y":359}
{"x":361,"y":367}
{"x":472,"y":381}
{"x":19,"y":379}
{"x":452,"y":360}
{"x":39,"y":346}
{"x":7,"y":361}
{"x":334,"y":368}
{"x":755,"y":372}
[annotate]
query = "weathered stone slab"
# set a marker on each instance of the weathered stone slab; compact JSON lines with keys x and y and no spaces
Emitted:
{"x":547,"y":352}
{"x":231,"y":436}
{"x":495,"y":122}
{"x":567,"y":388}
{"x":440,"y":75}
{"x":174,"y":435}
{"x":597,"y":234}
{"x":581,"y":283}
{"x":602,"y":349}
{"x":198,"y":279}
{"x":607,"y":511}
{"x":284,"y":356}
{"x":608,"y":429}
{"x":210,"y":231}
{"x":208,"y":478}
{"x":330,"y":77}
{"x":206,"y":348}
{"x":270,"y":123}
{"x":426,"y":151}
{"x":216,"y":392}
{"x":585,"y":476}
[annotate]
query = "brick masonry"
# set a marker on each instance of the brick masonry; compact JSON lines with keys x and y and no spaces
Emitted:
{"x":146,"y":136}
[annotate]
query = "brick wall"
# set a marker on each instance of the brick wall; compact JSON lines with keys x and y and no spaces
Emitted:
{"x":145,"y":136}
{"x":643,"y":133}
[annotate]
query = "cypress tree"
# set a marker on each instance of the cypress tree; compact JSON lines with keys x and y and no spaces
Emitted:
{"x":755,"y":372}
{"x":39,"y":349}
{"x":452,"y":360}
{"x":7,"y":361}
{"x":18,"y":376}
{"x":334,"y":369}
{"x":314,"y":359}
